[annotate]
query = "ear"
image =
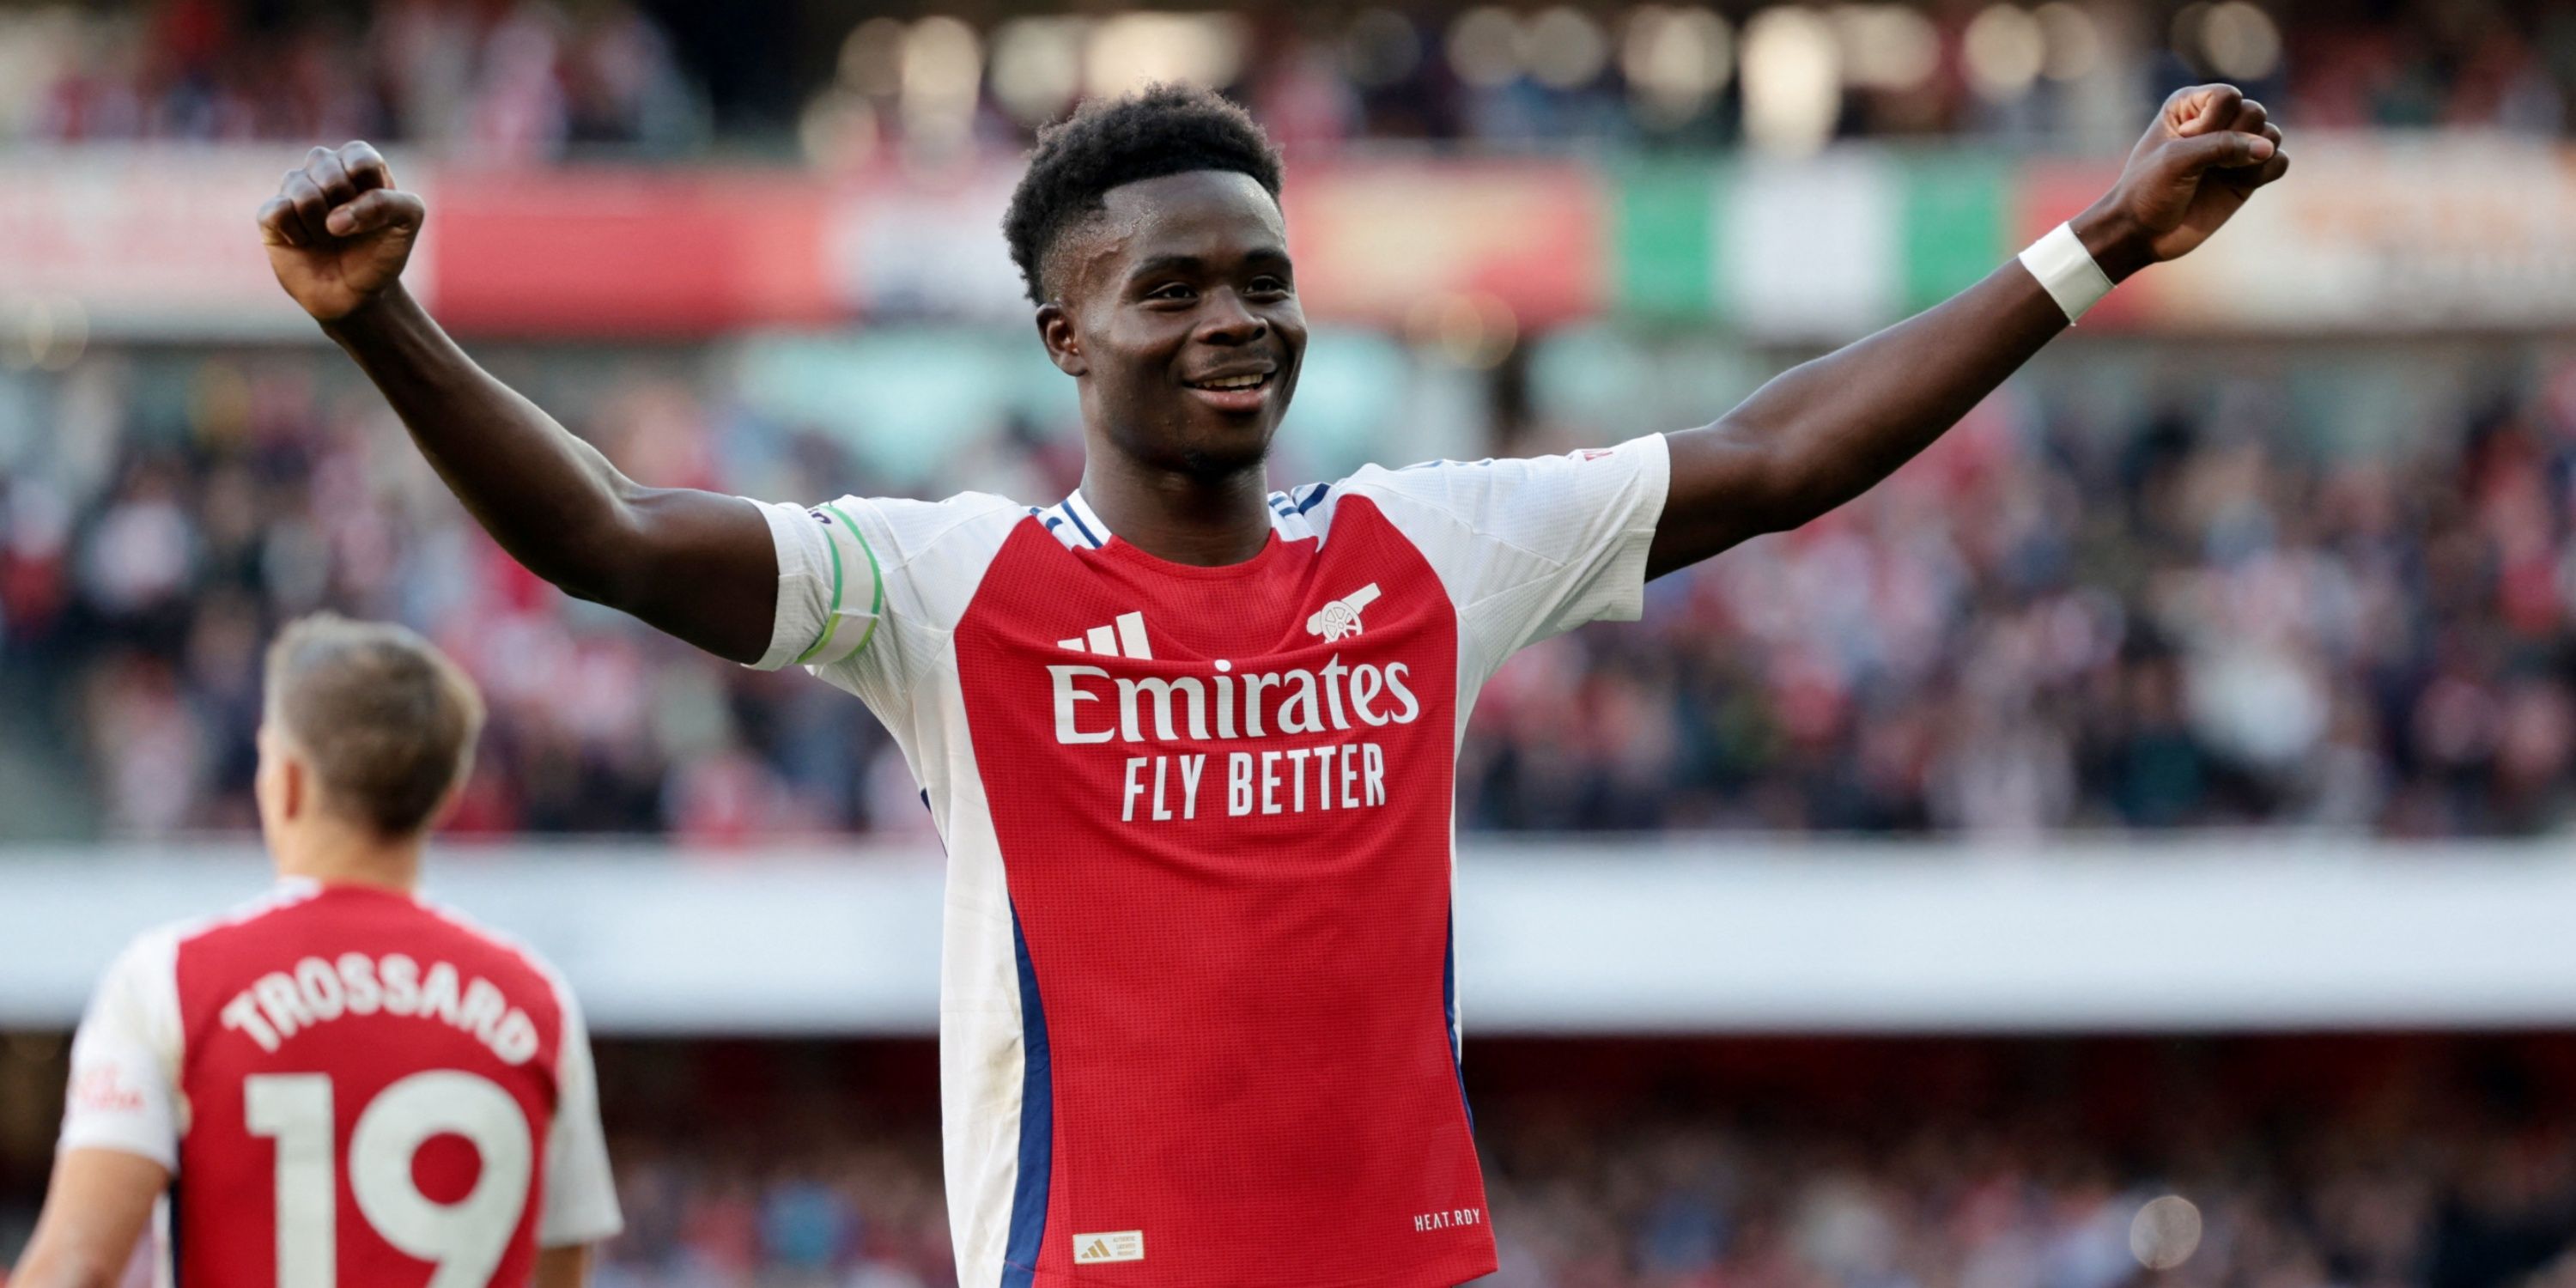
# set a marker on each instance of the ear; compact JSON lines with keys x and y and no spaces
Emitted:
{"x":447,"y":804}
{"x":1063,"y":345}
{"x":294,"y":790}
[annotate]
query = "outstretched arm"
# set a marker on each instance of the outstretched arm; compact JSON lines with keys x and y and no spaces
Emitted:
{"x":1826,"y":431}
{"x":696,"y":564}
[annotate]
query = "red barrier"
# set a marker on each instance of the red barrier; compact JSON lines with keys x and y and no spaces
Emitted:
{"x":629,"y":253}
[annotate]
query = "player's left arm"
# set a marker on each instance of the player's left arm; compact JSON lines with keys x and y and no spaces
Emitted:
{"x":577,"y":1197}
{"x":96,"y":1209}
{"x":565,"y":1267}
{"x":1826,"y":431}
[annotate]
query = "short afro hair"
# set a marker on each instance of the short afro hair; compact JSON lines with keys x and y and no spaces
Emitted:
{"x":1165,"y":129}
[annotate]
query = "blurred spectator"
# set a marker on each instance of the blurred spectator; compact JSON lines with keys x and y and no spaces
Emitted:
{"x":2206,"y":616}
{"x":507,"y":83}
{"x":531,"y":79}
{"x":2365,"y":1162}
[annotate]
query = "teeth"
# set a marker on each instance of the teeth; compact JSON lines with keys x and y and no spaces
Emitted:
{"x":1233,"y":382}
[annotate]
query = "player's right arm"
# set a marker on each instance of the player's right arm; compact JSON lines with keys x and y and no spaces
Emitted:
{"x":696,"y":564}
{"x":120,"y":1137}
{"x":96,"y":1208}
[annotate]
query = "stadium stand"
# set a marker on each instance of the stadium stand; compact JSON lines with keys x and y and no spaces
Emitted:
{"x":531,"y":82}
{"x":2223,"y":606}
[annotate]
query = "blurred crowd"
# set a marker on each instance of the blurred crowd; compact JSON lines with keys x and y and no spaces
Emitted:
{"x":2200,"y":612}
{"x":2203,"y":613}
{"x":2311,"y":1162}
{"x":2359,"y":1163}
{"x":164,"y":513}
{"x":498,"y":82}
{"x":534,"y":79}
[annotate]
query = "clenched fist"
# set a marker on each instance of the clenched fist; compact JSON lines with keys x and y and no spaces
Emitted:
{"x":2209,"y":149}
{"x":338,"y":232}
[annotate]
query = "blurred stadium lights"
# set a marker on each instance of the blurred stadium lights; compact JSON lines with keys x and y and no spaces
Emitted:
{"x":1800,"y":61}
{"x":1567,"y":49}
{"x":1485,"y":47}
{"x":2004,"y":49}
{"x":2165,"y":1232}
{"x":840,"y":126}
{"x":2073,"y":38}
{"x":872,"y":58}
{"x":1037,"y":66}
{"x":838,"y":130}
{"x":1886,"y":46}
{"x":2234,"y":39}
{"x":2240,"y":41}
{"x":1380,"y":47}
{"x":920,"y":80}
{"x":943,"y":75}
{"x":1792,"y":80}
{"x":933,"y":71}
{"x":44,"y":332}
{"x":1132,"y":49}
{"x":1675,"y":60}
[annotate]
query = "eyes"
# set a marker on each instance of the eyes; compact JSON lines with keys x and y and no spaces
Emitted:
{"x":1264,"y":288}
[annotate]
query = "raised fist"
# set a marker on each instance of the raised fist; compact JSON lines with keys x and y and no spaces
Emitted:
{"x":338,"y":232}
{"x":2209,"y":149}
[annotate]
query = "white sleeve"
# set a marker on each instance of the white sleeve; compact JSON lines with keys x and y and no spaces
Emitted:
{"x":123,"y":1093}
{"x":580,"y":1202}
{"x":1530,"y":548}
{"x":831,"y":587}
{"x":869,"y":587}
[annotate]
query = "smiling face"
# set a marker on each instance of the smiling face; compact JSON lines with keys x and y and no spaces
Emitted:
{"x":1176,"y":310}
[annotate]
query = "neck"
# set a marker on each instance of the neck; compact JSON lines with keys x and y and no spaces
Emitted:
{"x":1177,"y":516}
{"x":336,"y":853}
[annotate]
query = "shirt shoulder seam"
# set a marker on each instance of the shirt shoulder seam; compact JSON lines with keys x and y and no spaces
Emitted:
{"x":905,"y":556}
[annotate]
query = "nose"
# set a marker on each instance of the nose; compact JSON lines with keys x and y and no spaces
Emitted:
{"x":1223,"y":319}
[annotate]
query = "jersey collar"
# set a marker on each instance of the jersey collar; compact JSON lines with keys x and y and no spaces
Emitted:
{"x":1079,"y":527}
{"x":1073,"y":523}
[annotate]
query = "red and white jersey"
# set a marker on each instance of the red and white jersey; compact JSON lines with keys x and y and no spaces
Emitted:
{"x":348,"y":1086}
{"x":1198,"y":1022}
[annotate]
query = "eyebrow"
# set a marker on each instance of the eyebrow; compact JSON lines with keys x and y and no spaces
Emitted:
{"x":1167,"y":264}
{"x":1265,"y":256}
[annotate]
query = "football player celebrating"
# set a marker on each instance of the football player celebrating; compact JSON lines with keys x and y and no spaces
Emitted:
{"x":1190,"y":740}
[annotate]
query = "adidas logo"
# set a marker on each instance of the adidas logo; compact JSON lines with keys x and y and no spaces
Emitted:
{"x":1124,"y":1245}
{"x":1342,"y":616}
{"x":1124,"y":638}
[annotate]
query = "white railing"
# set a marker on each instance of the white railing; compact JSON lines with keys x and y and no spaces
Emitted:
{"x":1720,"y":936}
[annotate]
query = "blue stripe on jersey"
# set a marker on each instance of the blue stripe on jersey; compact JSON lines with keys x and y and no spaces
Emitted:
{"x":173,"y":1254}
{"x":1315,"y":497}
{"x":1449,"y":1016}
{"x":1037,"y":1127}
{"x":1081,"y":527}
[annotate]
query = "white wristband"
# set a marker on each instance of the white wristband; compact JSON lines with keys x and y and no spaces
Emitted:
{"x":2067,"y":271}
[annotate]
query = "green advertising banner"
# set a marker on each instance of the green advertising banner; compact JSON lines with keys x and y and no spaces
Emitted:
{"x":1955,"y":223}
{"x":1664,"y":225}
